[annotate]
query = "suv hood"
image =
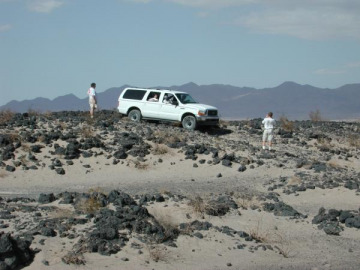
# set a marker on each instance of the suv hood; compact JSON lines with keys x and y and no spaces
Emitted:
{"x":198,"y":106}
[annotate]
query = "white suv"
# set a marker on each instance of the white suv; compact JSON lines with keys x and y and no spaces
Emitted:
{"x":166,"y":105}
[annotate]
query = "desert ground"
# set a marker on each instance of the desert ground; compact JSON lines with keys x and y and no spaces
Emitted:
{"x":106,"y":193}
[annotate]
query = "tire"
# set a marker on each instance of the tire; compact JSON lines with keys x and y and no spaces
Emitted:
{"x":135,"y":115}
{"x":189,"y":122}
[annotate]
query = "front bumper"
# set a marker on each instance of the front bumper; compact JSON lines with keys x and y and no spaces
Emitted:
{"x":207,"y":121}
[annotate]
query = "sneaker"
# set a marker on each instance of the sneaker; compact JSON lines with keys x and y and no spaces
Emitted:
{"x":92,"y":116}
{"x":269,"y":148}
{"x":263,"y":147}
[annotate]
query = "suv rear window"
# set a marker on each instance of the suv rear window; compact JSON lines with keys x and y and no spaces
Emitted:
{"x":134,"y":94}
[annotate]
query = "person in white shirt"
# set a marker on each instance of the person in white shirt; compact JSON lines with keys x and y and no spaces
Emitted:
{"x":155,"y":98}
{"x":268,"y":123}
{"x":92,"y":99}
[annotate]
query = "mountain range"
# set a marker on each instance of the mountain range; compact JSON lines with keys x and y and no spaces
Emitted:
{"x":295,"y":101}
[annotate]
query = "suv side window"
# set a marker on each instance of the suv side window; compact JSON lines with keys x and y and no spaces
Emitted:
{"x":168,"y":98}
{"x":134,"y":94}
{"x":153,"y":96}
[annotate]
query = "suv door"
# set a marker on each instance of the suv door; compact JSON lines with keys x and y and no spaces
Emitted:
{"x":170,"y":109}
{"x":152,"y":105}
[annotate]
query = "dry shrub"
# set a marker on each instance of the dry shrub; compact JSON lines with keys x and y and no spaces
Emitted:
{"x":87,"y":131}
{"x":354,"y":140}
{"x":198,"y":205}
{"x":283,"y":245}
{"x":315,"y":116}
{"x":167,"y":137}
{"x":25,"y":148}
{"x":74,"y":258}
{"x":160,"y":149}
{"x":294,"y":180}
{"x":246,"y":202}
{"x":47,"y":114}
{"x":286,"y":124}
{"x":89,"y":206}
{"x":157,"y":253}
{"x":33,"y":112}
{"x":6,"y":116}
{"x":170,"y":227}
{"x":24,"y":161}
{"x":99,"y":190}
{"x":259,"y":234}
{"x":140,"y":166}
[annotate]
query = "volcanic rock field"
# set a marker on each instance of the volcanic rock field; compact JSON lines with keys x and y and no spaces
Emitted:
{"x":107,"y":193}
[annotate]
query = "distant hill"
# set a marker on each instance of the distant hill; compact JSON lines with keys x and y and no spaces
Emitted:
{"x":293,"y":100}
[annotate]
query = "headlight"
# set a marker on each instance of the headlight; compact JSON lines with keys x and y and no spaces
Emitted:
{"x":201,"y":113}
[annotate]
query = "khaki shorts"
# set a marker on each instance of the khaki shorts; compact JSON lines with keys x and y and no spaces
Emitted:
{"x":92,"y":103}
{"x":268,"y":135}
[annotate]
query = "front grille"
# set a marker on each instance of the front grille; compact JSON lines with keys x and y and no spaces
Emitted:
{"x":212,"y":113}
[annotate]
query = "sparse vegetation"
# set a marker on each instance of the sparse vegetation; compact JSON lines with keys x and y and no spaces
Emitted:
{"x":89,"y":206}
{"x":160,"y":149}
{"x":315,"y":116}
{"x":258,"y":234}
{"x":354,"y":140}
{"x":74,"y":258}
{"x":6,"y":116}
{"x":168,"y":137}
{"x":167,"y":222}
{"x":286,"y":124}
{"x":283,"y":245}
{"x":140,"y":166}
{"x":246,"y":202}
{"x":198,"y":205}
{"x":157,"y":253}
{"x":87,"y":131}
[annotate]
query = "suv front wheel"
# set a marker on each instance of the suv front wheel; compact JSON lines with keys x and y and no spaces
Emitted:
{"x":189,"y":122}
{"x":135,"y":115}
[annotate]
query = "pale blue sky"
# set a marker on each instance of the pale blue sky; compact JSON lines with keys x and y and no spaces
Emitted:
{"x":50,"y":48}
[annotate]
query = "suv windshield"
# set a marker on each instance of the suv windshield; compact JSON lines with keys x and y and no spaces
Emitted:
{"x":185,"y":98}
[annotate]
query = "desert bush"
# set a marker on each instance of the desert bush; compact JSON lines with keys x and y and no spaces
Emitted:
{"x":140,"y":166}
{"x":198,"y":205}
{"x":6,"y":116}
{"x":74,"y":258}
{"x":167,"y":222}
{"x":157,"y":253}
{"x":87,"y":131}
{"x":168,"y":137}
{"x":283,"y":245}
{"x":259,"y":234}
{"x":354,"y":140}
{"x":246,"y":202}
{"x":315,"y":116}
{"x":33,"y":112}
{"x":286,"y":124}
{"x":89,"y":206}
{"x":160,"y":149}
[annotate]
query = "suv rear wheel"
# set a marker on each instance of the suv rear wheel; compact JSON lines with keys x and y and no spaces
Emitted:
{"x":135,"y":115}
{"x":189,"y":122}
